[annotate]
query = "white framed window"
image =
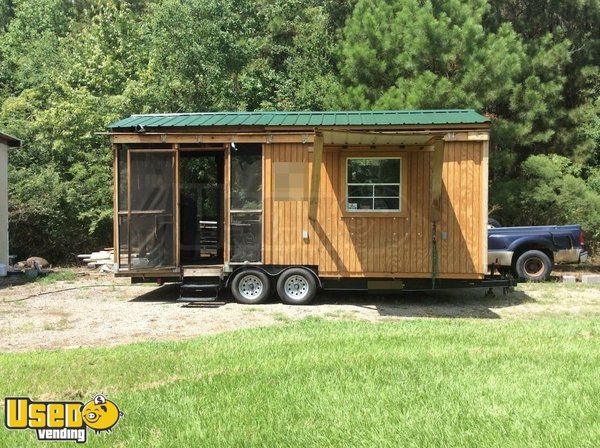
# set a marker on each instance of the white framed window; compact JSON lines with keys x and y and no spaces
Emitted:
{"x":373,"y":184}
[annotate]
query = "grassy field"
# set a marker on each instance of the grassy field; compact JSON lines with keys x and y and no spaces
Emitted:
{"x":417,"y":382}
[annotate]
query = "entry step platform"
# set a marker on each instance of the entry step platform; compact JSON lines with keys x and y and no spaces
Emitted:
{"x":203,"y":271}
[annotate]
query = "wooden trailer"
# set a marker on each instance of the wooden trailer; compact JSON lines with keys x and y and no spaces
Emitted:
{"x":292,"y":202}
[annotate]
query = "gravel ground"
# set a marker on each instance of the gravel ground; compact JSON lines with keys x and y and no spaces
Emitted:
{"x":105,"y":311}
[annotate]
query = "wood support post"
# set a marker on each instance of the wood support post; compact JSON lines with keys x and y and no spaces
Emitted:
{"x":315,"y":179}
{"x":116,"y":247}
{"x":436,"y":203}
{"x":436,"y":180}
{"x":176,"y":200}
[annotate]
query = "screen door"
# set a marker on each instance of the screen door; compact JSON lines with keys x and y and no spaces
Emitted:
{"x":148,"y":226}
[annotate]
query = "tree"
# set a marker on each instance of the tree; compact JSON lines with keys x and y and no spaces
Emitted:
{"x":411,"y":54}
{"x":566,"y":32}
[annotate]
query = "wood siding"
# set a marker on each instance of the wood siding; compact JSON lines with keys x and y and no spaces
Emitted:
{"x":381,"y":246}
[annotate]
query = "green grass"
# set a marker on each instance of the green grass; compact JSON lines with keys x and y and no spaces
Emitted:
{"x":420,"y":382}
{"x":66,"y":275}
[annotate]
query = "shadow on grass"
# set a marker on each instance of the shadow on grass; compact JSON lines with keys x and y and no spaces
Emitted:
{"x":169,"y":293}
{"x":163,"y":294}
{"x":460,"y":303}
{"x":473,"y":303}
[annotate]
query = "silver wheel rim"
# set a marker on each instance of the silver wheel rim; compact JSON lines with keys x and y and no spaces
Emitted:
{"x":250,"y":287}
{"x":296,"y":287}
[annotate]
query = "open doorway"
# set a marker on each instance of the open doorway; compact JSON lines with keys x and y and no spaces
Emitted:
{"x":201,"y":175}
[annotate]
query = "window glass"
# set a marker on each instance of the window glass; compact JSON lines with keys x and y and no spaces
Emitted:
{"x":246,"y":178}
{"x":373,"y":170}
{"x":246,"y":237}
{"x":373,"y":184}
{"x":246,"y":204}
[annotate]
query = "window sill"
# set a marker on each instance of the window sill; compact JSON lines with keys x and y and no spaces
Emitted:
{"x":367,"y":214}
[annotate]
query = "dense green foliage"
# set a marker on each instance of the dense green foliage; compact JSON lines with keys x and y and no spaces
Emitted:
{"x":410,"y":383}
{"x":68,"y":68}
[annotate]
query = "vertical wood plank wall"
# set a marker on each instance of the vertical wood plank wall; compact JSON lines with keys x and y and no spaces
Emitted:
{"x":381,"y":246}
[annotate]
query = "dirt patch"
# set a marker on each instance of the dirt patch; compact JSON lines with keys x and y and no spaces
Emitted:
{"x":105,"y":311}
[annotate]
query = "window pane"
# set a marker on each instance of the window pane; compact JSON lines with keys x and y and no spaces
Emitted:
{"x":246,"y":178}
{"x":246,"y":231}
{"x":387,"y":204}
{"x":359,"y":204}
{"x":387,"y":190}
{"x":360,"y":190}
{"x":363,"y":171}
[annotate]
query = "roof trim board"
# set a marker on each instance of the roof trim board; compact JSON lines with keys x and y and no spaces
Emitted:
{"x":11,"y":141}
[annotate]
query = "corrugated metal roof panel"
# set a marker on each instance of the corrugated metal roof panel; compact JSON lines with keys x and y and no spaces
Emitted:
{"x":306,"y":118}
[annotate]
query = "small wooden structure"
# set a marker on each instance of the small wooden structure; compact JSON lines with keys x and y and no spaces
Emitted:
{"x":6,"y":141}
{"x":379,"y":196}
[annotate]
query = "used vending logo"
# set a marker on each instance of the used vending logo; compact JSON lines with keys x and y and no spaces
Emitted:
{"x":61,"y":420}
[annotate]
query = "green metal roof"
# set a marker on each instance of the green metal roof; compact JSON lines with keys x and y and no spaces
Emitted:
{"x":332,"y":118}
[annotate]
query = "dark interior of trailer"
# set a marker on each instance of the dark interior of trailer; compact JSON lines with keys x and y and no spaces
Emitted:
{"x":201,"y":183}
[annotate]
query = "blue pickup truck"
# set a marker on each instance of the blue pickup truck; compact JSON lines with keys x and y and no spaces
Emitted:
{"x":530,"y":252}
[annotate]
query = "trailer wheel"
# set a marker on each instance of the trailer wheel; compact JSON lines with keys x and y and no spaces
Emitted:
{"x":251,"y":286}
{"x":534,"y":266}
{"x":297,"y":286}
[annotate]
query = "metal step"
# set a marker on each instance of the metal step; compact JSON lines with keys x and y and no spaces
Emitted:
{"x":214,"y":304}
{"x":198,"y":299}
{"x":200,"y":290}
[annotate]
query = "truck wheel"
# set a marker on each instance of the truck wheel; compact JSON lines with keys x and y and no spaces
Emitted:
{"x":251,"y":286}
{"x":297,"y":286}
{"x":534,"y":266}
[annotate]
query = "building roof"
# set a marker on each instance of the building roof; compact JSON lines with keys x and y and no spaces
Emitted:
{"x":9,"y":140}
{"x":305,"y":118}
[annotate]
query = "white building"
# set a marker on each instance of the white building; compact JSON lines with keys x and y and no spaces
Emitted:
{"x":6,"y":141}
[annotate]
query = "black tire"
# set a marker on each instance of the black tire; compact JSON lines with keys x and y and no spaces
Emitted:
{"x":297,"y":286}
{"x":533,"y":266}
{"x":251,"y":286}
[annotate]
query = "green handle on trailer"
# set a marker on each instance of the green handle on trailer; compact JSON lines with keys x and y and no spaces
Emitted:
{"x":434,"y":256}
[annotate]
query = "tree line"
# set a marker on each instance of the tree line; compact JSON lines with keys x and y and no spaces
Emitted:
{"x":70,"y":67}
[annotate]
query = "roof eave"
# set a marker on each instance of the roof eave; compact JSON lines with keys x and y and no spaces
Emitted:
{"x":12,"y":142}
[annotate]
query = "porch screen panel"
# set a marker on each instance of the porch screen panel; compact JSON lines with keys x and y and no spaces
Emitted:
{"x":151,"y":214}
{"x":122,"y":208}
